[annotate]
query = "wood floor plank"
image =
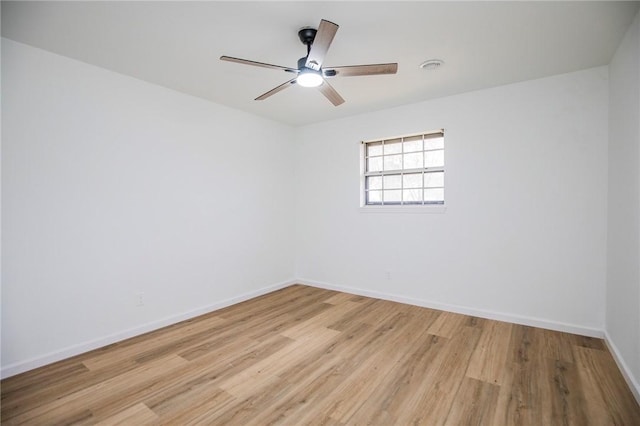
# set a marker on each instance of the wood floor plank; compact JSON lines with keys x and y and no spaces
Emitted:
{"x":287,"y":320}
{"x":321,"y":320}
{"x":587,"y":342}
{"x":474,"y":404}
{"x":30,"y":381}
{"x":289,"y":400}
{"x":566,"y":393}
{"x":410,"y":381}
{"x":138,"y":414}
{"x":396,"y":332}
{"x":346,"y":346}
{"x":167,"y":340}
{"x":351,"y":350}
{"x":263,"y":321}
{"x":50,"y":386}
{"x":488,"y":359}
{"x":309,"y":356}
{"x":520,"y":400}
{"x":304,"y":381}
{"x":447,"y":324}
{"x":556,"y":345}
{"x":214,"y":367}
{"x":441,"y":383}
{"x":194,"y":393}
{"x":399,"y":383}
{"x":338,"y":298}
{"x":605,"y":388}
{"x":262,"y":373}
{"x":348,"y":378}
{"x":540,"y":385}
{"x":354,"y":315}
{"x":378,"y":312}
{"x":119,"y":385}
{"x":381,"y":367}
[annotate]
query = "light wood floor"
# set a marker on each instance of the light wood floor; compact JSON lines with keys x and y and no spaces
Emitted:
{"x":303,"y":355}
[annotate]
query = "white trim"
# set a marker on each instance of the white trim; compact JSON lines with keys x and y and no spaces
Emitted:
{"x":390,"y":138}
{"x":623,"y":367}
{"x":465,"y":310}
{"x":428,"y":209}
{"x":422,"y":171}
{"x":51,"y":357}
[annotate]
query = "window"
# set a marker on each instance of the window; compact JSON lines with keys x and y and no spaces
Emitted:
{"x":407,"y":170}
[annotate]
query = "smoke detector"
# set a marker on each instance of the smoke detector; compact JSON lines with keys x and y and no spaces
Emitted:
{"x":432,"y":64}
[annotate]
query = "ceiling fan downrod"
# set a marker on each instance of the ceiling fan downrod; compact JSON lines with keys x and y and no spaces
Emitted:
{"x":306,"y":36}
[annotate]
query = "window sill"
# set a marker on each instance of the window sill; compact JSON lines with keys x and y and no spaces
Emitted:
{"x":404,"y":209}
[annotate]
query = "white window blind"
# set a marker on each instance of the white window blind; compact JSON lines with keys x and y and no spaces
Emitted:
{"x":407,"y":170}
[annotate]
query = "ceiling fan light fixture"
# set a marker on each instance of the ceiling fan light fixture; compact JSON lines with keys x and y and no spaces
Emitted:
{"x":309,"y":78}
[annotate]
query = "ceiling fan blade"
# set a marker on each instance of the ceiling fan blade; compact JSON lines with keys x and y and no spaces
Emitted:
{"x":276,"y":89}
{"x":355,"y":70}
{"x":257,"y":64}
{"x":330,"y":93}
{"x":326,"y":31}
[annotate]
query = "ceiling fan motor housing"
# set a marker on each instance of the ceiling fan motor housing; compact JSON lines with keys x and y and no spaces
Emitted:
{"x":302,"y":63}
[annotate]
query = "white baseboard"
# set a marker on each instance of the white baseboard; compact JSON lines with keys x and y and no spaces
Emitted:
{"x":516,"y":319}
{"x":624,"y":368}
{"x":39,"y":361}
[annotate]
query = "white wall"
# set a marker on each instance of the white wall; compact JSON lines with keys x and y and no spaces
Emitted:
{"x":112,"y":186}
{"x":623,"y":248}
{"x":524,"y":232}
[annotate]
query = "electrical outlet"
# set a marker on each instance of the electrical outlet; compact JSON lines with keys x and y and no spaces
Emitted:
{"x":387,"y":275}
{"x":140,"y":299}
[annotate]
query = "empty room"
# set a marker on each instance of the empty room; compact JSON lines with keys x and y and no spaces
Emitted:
{"x":339,"y":213}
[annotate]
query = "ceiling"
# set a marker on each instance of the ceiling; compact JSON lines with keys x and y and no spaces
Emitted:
{"x":178,"y":44}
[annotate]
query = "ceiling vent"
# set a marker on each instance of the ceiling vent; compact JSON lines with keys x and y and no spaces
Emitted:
{"x":431,"y":64}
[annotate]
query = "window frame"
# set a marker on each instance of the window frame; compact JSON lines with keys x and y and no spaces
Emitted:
{"x":423,"y":206}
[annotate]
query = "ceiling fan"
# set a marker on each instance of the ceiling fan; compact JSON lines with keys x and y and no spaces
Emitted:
{"x":310,"y":72}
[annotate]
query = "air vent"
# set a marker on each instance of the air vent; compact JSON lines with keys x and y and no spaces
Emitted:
{"x":432,"y":64}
